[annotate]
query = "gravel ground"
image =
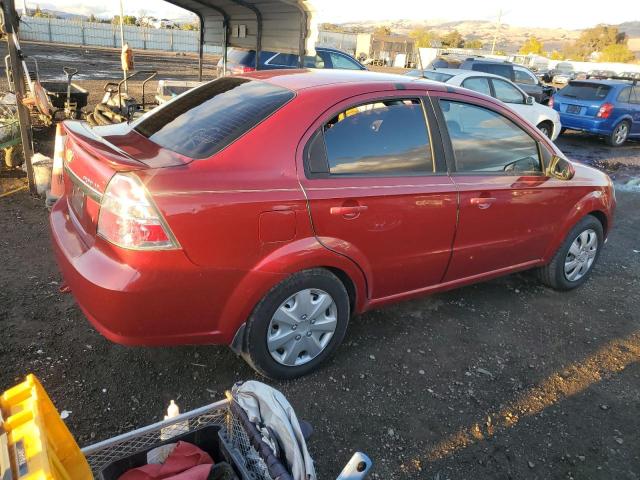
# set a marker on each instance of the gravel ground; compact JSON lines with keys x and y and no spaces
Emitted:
{"x":504,"y":379}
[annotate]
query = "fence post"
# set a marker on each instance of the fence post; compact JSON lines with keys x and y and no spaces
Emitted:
{"x":115,"y":41}
{"x":82,"y":30}
{"x":50,"y":35}
{"x":171,"y":40}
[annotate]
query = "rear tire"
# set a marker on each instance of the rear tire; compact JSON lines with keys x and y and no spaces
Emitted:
{"x":619,"y":135}
{"x":575,"y":259}
{"x":280,"y":314}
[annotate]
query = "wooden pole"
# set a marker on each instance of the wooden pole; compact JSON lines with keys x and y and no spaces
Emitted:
{"x":11,"y":26}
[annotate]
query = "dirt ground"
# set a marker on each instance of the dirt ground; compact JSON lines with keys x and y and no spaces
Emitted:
{"x":502,"y":380}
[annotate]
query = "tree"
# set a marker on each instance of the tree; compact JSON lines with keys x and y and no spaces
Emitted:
{"x":556,"y":55}
{"x":474,"y":44}
{"x":92,"y":19}
{"x":594,"y":39}
{"x":423,"y":37}
{"x":453,"y":39}
{"x":190,"y":26}
{"x":618,"y":52}
{"x":532,"y":46}
{"x":127,"y":20}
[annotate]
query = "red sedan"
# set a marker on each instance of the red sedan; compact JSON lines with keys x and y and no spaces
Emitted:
{"x":262,"y":211}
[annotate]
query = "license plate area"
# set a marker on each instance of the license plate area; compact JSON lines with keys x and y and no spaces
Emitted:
{"x":78,"y":201}
{"x":574,"y":109}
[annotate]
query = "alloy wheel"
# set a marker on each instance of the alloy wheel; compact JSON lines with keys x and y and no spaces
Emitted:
{"x":581,"y":255}
{"x":302,"y":327}
{"x":620,"y":133}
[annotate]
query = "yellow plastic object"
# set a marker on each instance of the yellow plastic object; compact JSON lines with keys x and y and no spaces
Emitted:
{"x":39,"y":443}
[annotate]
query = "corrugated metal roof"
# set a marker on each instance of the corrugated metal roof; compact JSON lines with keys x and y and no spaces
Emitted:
{"x":272,"y":25}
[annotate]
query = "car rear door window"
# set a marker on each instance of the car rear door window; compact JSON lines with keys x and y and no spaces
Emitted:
{"x":485,"y":141}
{"x":478,"y":84}
{"x":507,"y":92}
{"x":386,"y":137}
{"x":624,"y":94}
{"x":635,"y":95}
{"x":207,"y":118}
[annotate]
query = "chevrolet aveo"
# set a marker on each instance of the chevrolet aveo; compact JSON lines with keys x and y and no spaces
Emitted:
{"x":262,"y":211}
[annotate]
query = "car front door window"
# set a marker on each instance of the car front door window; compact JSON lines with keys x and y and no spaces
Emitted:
{"x":484,"y":141}
{"x":507,"y":92}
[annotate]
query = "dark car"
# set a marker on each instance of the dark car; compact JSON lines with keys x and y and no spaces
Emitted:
{"x":518,"y":74}
{"x":244,"y":61}
{"x":601,"y":74}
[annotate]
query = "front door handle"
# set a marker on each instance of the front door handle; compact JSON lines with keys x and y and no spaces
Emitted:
{"x":483,"y":202}
{"x":348,"y":212}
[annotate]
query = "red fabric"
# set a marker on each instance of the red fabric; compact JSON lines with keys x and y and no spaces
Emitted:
{"x":186,"y":462}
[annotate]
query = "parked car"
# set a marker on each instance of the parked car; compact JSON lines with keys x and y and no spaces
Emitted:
{"x":261,"y":211}
{"x":518,"y":74}
{"x":545,"y":118}
{"x":631,"y":75}
{"x":601,"y":74}
{"x":609,"y":108}
{"x":244,"y":61}
{"x":562,"y":74}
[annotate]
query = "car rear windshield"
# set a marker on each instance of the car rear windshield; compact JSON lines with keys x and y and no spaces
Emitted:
{"x":206,"y":119}
{"x":435,"y":75}
{"x":585,"y":91}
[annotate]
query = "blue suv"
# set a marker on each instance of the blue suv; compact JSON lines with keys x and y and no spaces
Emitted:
{"x":609,"y":108}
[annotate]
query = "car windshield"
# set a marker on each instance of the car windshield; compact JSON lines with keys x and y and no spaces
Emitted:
{"x":585,"y":91}
{"x":204,"y":120}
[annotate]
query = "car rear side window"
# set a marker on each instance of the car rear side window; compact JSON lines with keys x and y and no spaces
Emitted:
{"x":386,"y":137}
{"x":478,"y":84}
{"x":484,"y":141}
{"x":585,"y":91}
{"x":206,"y":119}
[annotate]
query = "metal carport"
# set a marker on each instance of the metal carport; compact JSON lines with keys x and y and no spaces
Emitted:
{"x":286,"y":26}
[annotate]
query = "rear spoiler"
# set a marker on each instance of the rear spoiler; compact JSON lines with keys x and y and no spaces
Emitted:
{"x":633,"y":81}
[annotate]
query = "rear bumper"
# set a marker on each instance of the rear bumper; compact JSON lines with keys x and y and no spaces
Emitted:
{"x":586,"y":124}
{"x":141,"y":298}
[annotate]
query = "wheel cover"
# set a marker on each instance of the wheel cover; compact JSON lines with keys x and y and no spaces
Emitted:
{"x":545,"y":130}
{"x":581,"y":255}
{"x":620,"y":135}
{"x":302,"y":327}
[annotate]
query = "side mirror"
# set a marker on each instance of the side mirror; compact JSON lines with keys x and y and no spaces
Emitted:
{"x":529,"y":100}
{"x":561,"y":168}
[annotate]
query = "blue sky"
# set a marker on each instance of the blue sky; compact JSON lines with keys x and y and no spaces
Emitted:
{"x":570,"y":14}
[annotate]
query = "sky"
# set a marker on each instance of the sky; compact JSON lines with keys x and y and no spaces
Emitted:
{"x":571,"y":14}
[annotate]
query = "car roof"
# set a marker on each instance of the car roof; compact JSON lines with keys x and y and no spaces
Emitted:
{"x":299,"y":79}
{"x":470,"y":73}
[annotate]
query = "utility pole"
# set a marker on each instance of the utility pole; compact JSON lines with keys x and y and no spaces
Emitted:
{"x":497,"y":30}
{"x":11,"y":24}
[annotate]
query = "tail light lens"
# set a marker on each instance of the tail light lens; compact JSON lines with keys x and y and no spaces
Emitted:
{"x":605,"y":110}
{"x":243,"y":69}
{"x":129,"y":219}
{"x":551,"y":102}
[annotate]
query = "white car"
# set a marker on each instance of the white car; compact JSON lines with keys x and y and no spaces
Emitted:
{"x":546,"y":119}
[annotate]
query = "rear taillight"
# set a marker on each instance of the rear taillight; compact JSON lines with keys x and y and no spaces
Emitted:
{"x":129,"y":219}
{"x":242,"y":69}
{"x":551,"y":102}
{"x":605,"y":110}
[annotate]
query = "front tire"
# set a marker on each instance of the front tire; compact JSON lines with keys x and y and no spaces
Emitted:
{"x":546,"y":128}
{"x":298,"y":325}
{"x":574,"y":261}
{"x":619,"y":134}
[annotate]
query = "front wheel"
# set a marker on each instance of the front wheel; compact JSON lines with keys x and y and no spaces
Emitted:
{"x":573,"y":262}
{"x":297,"y":325}
{"x":619,"y":134}
{"x":546,"y":128}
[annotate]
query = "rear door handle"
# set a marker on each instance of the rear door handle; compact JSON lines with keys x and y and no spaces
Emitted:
{"x":483,"y":202}
{"x":349,"y":212}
